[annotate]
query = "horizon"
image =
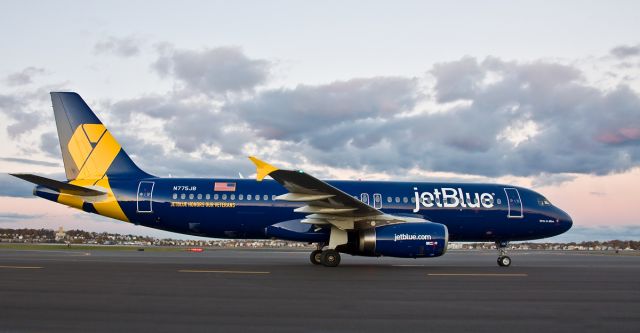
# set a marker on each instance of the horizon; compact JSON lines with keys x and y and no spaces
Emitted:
{"x":183,"y":237}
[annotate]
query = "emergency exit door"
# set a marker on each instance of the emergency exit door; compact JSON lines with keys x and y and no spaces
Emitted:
{"x":514,"y":203}
{"x":145,"y":197}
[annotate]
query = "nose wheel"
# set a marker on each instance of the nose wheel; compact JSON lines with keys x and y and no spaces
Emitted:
{"x":503,"y":259}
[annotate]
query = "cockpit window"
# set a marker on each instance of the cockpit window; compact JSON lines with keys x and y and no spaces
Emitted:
{"x":542,"y":201}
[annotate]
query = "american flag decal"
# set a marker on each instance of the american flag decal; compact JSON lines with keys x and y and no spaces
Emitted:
{"x":224,"y":187}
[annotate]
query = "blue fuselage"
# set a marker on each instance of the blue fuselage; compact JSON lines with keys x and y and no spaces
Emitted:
{"x":471,"y":212}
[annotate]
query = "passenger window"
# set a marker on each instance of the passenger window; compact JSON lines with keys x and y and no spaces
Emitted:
{"x":257,"y":197}
{"x":199,"y":196}
{"x":224,"y":197}
{"x":233,"y":197}
{"x":273,"y":197}
{"x":389,"y":200}
{"x":240,"y":197}
{"x":265,"y":197}
{"x":397,"y":199}
{"x":405,"y":200}
{"x":191,"y":196}
{"x":208,"y":196}
{"x":249,"y":197}
{"x":183,"y":196}
{"x":413,"y":199}
{"x":175,"y":196}
{"x":216,"y":196}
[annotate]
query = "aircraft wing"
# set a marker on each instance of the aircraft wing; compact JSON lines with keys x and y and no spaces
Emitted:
{"x":325,"y":204}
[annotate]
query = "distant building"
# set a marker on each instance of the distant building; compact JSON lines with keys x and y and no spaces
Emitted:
{"x":60,"y":235}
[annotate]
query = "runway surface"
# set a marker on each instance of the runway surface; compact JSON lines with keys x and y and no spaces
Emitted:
{"x":280,"y":291}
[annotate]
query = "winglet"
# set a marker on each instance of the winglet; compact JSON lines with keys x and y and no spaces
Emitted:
{"x":263,"y":168}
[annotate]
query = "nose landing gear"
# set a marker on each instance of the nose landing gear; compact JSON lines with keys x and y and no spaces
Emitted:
{"x":503,"y":258}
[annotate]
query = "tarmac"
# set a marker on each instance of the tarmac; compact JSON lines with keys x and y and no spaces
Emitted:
{"x":280,"y":291}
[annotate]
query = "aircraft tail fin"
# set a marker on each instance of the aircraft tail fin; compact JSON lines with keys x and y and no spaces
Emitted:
{"x":89,"y":151}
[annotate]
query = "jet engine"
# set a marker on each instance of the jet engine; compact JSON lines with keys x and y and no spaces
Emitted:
{"x":404,"y":240}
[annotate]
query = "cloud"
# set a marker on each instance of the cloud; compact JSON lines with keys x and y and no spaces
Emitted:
{"x":9,"y":103}
{"x":15,"y":107}
{"x":311,"y":112}
{"x":23,"y":77}
{"x":12,"y":217}
{"x":570,"y":126}
{"x":189,"y":124}
{"x":50,"y":144}
{"x":28,"y":161}
{"x":551,"y":179}
{"x":156,"y":106}
{"x":485,"y":117}
{"x":457,"y":80}
{"x":24,"y":123}
{"x":120,"y":46}
{"x":626,"y":51}
{"x":213,"y":71}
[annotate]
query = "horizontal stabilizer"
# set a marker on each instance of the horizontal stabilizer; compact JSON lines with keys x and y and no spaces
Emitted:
{"x":59,"y":186}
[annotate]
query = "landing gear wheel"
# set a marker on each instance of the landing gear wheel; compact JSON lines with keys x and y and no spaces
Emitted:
{"x":330,"y":258}
{"x":504,"y":261}
{"x":315,"y":257}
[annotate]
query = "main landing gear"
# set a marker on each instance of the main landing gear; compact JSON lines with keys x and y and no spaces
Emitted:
{"x":328,"y":258}
{"x":503,"y":258}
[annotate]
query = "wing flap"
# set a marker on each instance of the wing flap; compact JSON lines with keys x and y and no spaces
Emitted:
{"x":309,"y":209}
{"x":303,"y":197}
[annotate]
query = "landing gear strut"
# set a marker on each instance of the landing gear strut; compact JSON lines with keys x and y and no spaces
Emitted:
{"x":503,"y":258}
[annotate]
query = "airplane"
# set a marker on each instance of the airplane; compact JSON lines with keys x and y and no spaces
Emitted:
{"x":365,"y":218}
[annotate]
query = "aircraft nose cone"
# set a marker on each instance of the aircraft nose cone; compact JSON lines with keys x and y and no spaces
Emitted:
{"x":566,"y":221}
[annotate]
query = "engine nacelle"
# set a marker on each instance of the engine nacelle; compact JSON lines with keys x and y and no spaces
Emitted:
{"x":405,"y":240}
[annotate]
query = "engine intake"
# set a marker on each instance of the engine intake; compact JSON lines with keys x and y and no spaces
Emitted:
{"x":405,"y":240}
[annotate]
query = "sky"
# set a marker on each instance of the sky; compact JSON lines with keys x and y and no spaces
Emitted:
{"x":541,"y":95}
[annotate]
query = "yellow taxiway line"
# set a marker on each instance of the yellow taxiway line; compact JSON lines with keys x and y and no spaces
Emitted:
{"x":220,"y":271}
